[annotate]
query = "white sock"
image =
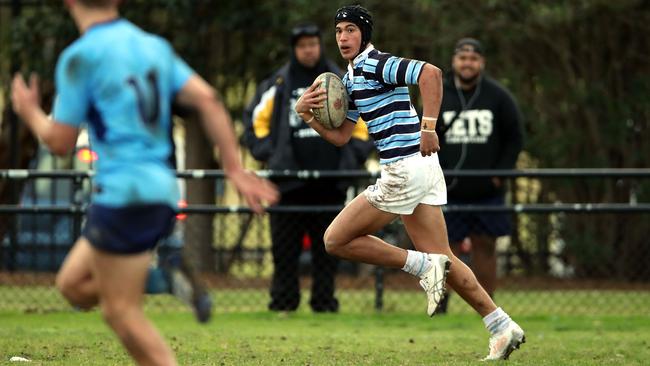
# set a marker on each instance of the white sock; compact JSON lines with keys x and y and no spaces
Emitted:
{"x":496,"y":321}
{"x":417,"y":263}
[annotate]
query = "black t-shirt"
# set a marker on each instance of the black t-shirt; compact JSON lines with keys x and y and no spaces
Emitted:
{"x":486,"y":134}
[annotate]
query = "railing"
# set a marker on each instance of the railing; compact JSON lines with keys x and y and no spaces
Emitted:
{"x":79,"y":207}
{"x":528,"y":259}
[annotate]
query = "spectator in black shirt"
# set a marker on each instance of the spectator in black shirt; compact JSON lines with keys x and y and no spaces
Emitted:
{"x":480,"y":128}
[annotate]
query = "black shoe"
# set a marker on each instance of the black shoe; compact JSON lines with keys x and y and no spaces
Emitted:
{"x":186,"y":285}
{"x":328,"y":306}
{"x":283,"y":306}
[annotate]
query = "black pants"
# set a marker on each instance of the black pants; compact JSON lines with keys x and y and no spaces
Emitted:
{"x":287,"y":233}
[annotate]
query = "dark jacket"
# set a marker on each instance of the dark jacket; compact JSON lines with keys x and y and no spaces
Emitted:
{"x":479,"y":129}
{"x":269,"y":137}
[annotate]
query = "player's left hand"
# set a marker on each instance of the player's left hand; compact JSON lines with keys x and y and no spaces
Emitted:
{"x":255,"y":190}
{"x":429,"y":143}
{"x":24,"y":97}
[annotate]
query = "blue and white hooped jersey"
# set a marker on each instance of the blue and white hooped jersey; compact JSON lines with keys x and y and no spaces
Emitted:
{"x":121,"y":81}
{"x":377,"y":86}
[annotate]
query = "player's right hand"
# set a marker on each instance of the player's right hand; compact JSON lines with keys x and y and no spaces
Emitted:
{"x":313,"y":97}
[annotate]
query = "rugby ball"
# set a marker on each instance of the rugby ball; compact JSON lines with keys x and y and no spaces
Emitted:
{"x":335,"y":107}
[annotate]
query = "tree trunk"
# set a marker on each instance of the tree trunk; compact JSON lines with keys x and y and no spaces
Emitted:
{"x":199,"y":227}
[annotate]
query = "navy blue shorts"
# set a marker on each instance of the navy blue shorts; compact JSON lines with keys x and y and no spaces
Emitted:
{"x":463,"y":224}
{"x":129,"y":229}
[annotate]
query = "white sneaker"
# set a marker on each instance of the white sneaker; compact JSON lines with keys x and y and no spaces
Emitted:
{"x":433,"y":282}
{"x":503,"y":343}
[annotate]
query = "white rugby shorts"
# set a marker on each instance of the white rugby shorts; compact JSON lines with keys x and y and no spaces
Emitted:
{"x":406,"y":183}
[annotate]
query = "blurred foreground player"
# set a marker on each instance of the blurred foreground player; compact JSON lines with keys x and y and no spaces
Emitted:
{"x":122,"y":81}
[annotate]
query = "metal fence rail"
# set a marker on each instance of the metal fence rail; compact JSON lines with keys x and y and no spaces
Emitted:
{"x":563,"y":257}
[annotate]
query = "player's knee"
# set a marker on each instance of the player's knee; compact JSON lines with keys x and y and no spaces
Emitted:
{"x":333,"y":241}
{"x":66,"y":287}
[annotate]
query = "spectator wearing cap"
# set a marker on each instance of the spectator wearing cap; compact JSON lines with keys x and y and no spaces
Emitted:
{"x":279,"y":138}
{"x":480,"y":127}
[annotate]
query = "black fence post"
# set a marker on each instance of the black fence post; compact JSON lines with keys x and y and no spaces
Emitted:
{"x":379,"y":288}
{"x":77,"y":203}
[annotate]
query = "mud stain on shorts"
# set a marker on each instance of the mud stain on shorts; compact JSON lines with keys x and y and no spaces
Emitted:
{"x":393,"y":187}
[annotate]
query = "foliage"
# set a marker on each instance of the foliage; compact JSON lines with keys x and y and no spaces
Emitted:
{"x":581,"y":67}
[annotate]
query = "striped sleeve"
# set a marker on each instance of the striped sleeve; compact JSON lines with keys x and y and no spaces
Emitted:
{"x":399,"y":71}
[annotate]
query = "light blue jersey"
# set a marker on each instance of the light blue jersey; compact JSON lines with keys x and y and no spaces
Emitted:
{"x":121,"y":81}
{"x":377,"y":84}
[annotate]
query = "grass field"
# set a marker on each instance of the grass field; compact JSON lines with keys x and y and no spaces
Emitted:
{"x":262,"y":338}
{"x":586,"y":328}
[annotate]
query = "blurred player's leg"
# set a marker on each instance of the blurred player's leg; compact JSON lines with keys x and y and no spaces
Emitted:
{"x":186,"y":285}
{"x":75,"y":280}
{"x":121,"y":280}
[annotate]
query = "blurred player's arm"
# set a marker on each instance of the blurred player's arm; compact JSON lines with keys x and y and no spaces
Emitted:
{"x":198,"y":94}
{"x":313,"y":97}
{"x":58,"y":137}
